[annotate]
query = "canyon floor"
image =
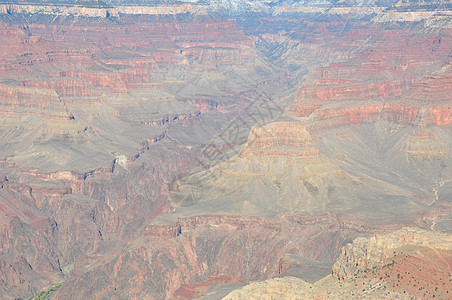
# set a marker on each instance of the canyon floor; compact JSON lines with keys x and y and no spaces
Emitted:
{"x":233,"y":149}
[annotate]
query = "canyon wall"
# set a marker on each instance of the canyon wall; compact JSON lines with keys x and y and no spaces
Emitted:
{"x":107,"y":113}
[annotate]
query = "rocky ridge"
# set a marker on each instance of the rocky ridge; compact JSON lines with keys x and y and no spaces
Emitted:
{"x":101,"y":186}
{"x":370,"y":274}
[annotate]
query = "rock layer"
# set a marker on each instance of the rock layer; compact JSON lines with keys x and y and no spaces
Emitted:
{"x":408,"y":250}
{"x":107,"y":113}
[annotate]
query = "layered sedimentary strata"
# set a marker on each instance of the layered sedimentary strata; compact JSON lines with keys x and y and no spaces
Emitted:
{"x":17,"y":96}
{"x":82,"y":107}
{"x":130,"y":96}
{"x":377,"y":107}
{"x":347,"y":91}
{"x":388,"y":82}
{"x":99,"y":9}
{"x":336,"y":116}
{"x":282,"y":168}
{"x":426,"y":143}
{"x":278,"y":169}
{"x":276,"y":135}
{"x":302,"y":109}
{"x":78,"y":72}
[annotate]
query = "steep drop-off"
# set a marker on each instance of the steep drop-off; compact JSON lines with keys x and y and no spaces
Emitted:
{"x":165,"y":151}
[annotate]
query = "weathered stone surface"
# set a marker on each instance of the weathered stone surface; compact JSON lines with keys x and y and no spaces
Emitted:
{"x":107,"y":113}
{"x":408,"y":263}
{"x":376,"y":252}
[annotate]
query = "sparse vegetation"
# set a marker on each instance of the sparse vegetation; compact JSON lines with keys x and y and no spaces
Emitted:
{"x":45,"y":295}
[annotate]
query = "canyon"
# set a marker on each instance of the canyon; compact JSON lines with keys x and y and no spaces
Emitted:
{"x":237,"y":149}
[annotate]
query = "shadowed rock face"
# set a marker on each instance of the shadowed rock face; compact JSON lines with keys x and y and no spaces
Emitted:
{"x":122,"y":174}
